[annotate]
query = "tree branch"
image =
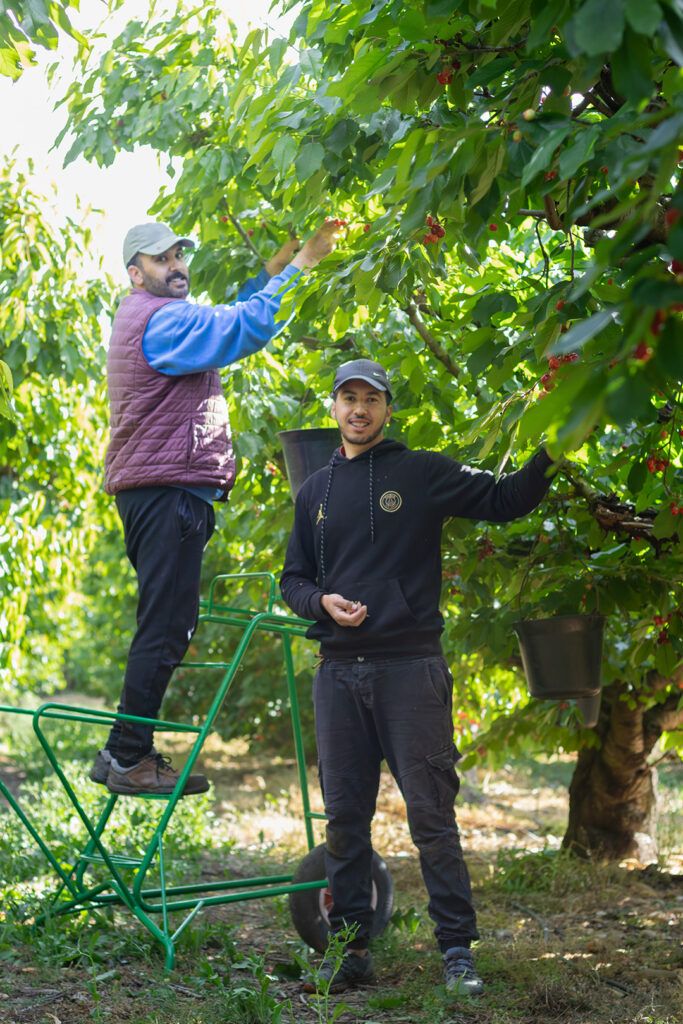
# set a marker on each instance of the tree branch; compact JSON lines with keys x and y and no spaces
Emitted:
{"x":552,"y":215}
{"x":430,"y":341}
{"x":245,"y":237}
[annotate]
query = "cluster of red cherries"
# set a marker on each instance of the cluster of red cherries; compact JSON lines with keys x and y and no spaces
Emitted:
{"x":436,"y":231}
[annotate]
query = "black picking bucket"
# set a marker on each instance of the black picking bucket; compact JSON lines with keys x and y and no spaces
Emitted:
{"x":306,"y":451}
{"x":590,"y":709}
{"x":562,"y":655}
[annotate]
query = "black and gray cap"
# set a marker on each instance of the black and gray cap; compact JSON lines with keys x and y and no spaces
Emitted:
{"x":362,"y":369}
{"x":152,"y":240}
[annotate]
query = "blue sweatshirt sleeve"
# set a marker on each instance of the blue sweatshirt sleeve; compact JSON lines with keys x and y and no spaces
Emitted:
{"x":182,"y":337}
{"x":254,"y":284}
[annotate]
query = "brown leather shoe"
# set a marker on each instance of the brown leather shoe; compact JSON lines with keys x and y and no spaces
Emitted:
{"x":153,"y":774}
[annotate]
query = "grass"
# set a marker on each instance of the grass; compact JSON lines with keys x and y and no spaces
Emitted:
{"x":562,"y":940}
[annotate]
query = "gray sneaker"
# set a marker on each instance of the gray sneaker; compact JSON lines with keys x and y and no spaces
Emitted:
{"x":100,"y":768}
{"x":153,"y":774}
{"x":352,"y":971}
{"x":461,"y":976}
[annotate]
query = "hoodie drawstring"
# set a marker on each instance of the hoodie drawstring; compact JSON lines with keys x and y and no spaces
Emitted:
{"x":372,"y":510}
{"x":321,"y":580}
{"x":328,"y":487}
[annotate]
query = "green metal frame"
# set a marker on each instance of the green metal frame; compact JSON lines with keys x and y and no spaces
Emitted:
{"x":125,"y":885}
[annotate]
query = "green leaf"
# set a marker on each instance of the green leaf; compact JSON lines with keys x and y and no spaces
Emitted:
{"x":577,"y":154}
{"x":632,"y":68}
{"x":599,"y":26}
{"x":643,"y":16}
{"x":577,"y":336}
{"x":627,"y":399}
{"x":309,"y":159}
{"x":543,"y":155}
{"x":637,"y":477}
{"x":494,"y":163}
{"x":656,"y":292}
{"x":665,"y":524}
{"x":284,"y":151}
{"x":669,"y":355}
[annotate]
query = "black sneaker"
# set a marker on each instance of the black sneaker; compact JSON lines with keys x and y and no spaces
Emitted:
{"x":100,"y":768}
{"x":352,"y":971}
{"x":461,"y":976}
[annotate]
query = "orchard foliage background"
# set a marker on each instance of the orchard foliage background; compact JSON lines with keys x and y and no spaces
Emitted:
{"x":52,"y":431}
{"x":25,"y":24}
{"x":509,"y":174}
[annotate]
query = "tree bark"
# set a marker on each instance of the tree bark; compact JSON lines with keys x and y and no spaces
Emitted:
{"x":613,"y":792}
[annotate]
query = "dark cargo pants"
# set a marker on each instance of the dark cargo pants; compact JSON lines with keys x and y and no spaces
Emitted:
{"x":166,"y":530}
{"x":398,"y":709}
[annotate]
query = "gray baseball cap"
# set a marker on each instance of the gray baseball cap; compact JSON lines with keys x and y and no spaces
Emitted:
{"x":362,"y":369}
{"x":151,"y":239}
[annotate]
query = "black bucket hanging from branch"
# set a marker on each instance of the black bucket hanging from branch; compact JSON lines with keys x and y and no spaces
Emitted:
{"x":562,"y":655}
{"x":306,"y":451}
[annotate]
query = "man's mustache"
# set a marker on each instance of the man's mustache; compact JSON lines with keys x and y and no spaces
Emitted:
{"x":177,"y":276}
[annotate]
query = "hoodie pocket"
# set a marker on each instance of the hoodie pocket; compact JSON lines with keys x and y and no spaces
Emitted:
{"x":388,"y":610}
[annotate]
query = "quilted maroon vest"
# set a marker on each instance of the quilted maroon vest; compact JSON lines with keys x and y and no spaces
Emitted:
{"x":165,"y":431}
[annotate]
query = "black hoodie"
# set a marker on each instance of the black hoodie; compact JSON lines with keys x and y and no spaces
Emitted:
{"x":369,"y":528}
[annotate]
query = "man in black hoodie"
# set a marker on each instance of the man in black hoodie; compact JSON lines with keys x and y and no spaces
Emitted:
{"x":364,"y":562}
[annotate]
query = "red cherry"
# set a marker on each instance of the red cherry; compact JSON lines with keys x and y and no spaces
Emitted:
{"x":657,"y":322}
{"x":224,"y":219}
{"x":671,"y":216}
{"x":445,"y":77}
{"x":642,"y":351}
{"x":675,"y":510}
{"x":430,"y":222}
{"x":553,"y":363}
{"x":651,"y":465}
{"x":366,"y":227}
{"x":439,"y":231}
{"x":604,"y":169}
{"x":250,"y":232}
{"x":610,"y":280}
{"x":550,"y":175}
{"x":663,"y":637}
{"x":493,"y":227}
{"x":560,"y":304}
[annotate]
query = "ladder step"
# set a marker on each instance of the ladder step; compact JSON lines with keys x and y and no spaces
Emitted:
{"x":205,"y":664}
{"x":116,"y":858}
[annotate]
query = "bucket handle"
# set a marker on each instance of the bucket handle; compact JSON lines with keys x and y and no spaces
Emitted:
{"x":527,"y":573}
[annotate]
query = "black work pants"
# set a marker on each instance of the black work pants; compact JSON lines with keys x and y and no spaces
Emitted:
{"x":398,"y":709}
{"x":166,"y":530}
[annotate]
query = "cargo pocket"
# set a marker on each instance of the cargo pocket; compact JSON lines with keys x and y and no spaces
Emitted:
{"x":443,"y":776}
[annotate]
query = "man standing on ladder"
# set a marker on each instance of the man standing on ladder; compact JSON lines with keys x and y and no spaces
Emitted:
{"x":169,"y":458}
{"x":364,"y":561}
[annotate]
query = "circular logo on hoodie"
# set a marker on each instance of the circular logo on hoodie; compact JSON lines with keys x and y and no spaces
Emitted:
{"x":390,"y":501}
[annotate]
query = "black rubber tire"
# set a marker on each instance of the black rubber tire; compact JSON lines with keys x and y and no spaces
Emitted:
{"x":309,"y":907}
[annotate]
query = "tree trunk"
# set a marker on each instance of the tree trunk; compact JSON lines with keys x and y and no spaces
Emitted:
{"x":613,"y":792}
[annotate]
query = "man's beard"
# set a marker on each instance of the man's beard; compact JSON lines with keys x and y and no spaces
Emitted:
{"x":163,"y":288}
{"x":366,"y":440}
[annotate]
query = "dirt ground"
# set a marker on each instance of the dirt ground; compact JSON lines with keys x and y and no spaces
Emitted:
{"x":578,"y":944}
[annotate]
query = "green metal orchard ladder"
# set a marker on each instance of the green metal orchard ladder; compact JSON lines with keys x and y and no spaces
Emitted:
{"x":74,"y":892}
